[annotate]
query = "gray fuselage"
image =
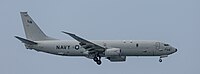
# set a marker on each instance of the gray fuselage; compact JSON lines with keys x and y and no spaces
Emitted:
{"x":128,"y":47}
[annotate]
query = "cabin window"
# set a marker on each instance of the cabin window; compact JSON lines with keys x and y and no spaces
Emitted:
{"x":137,"y":45}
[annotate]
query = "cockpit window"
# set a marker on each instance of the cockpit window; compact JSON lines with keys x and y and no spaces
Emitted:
{"x":166,"y":44}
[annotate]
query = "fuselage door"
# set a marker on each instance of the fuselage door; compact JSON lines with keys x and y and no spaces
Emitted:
{"x":157,"y":45}
{"x":157,"y":50}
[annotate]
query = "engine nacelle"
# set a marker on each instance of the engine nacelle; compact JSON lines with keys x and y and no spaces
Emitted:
{"x":117,"y":58}
{"x":113,"y":52}
{"x":114,"y":55}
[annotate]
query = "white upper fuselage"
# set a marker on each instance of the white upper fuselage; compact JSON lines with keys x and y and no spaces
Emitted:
{"x":128,"y":47}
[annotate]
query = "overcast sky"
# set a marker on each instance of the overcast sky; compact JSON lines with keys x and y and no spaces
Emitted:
{"x":176,"y":22}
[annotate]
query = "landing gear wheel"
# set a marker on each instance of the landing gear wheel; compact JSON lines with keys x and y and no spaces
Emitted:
{"x":160,"y":60}
{"x":95,"y":59}
{"x":98,"y":62}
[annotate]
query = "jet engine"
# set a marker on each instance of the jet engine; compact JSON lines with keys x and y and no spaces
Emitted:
{"x":114,"y":55}
{"x":113,"y":52}
{"x":117,"y":58}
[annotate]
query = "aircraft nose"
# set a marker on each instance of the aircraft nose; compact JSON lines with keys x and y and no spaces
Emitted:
{"x":175,"y":50}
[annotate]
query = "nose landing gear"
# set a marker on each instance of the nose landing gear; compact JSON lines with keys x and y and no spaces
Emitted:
{"x":160,"y":60}
{"x":162,"y":56}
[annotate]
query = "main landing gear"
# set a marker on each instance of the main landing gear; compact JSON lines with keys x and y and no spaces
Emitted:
{"x":97,"y":59}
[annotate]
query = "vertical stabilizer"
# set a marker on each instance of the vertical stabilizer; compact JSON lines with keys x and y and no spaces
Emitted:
{"x":32,"y":31}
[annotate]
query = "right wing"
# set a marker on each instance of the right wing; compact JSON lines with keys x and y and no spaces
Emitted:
{"x":89,"y":46}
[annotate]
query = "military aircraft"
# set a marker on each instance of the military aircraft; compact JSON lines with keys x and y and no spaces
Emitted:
{"x":113,"y":50}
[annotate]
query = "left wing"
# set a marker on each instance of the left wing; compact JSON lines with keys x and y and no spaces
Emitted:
{"x":89,"y":46}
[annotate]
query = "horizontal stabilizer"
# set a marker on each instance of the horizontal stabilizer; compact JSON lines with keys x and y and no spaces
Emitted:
{"x":26,"y":41}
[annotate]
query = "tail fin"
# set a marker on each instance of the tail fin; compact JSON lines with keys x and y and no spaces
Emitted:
{"x":32,"y":31}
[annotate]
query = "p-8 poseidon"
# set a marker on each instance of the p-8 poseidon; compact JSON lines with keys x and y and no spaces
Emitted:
{"x":113,"y":50}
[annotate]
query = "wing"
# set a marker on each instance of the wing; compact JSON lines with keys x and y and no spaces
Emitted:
{"x":89,"y":46}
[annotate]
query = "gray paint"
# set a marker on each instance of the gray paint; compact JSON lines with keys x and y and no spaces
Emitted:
{"x":32,"y":31}
{"x":111,"y":49}
{"x":145,"y":48}
{"x":172,"y":21}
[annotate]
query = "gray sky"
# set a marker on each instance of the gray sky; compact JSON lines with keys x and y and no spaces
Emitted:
{"x":172,"y":21}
